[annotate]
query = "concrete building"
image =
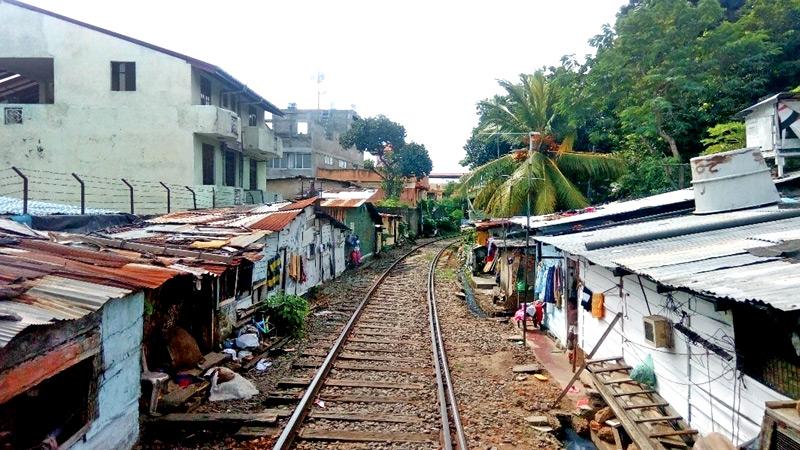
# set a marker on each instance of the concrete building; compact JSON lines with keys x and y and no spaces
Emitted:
{"x":83,"y":99}
{"x":311,"y":142}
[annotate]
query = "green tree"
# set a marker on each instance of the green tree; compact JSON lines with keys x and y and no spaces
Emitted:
{"x":386,"y":139}
{"x":723,"y":137}
{"x":546,"y":170}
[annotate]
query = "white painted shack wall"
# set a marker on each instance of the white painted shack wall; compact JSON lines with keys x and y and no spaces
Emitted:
{"x":338,"y":250}
{"x":555,"y":318}
{"x":683,"y":372}
{"x":117,"y":423}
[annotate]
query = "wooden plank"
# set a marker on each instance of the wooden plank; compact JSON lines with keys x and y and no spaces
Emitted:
{"x":602,"y":360}
{"x":180,"y":395}
{"x":346,"y":365}
{"x":279,"y":343}
{"x":657,"y":419}
{"x":618,"y":381}
{"x":362,"y":348}
{"x":625,"y":394}
{"x":212,"y":359}
{"x":646,"y":405}
{"x":634,"y":431}
{"x":673,"y":433}
{"x":366,"y":436}
{"x":345,"y":355}
{"x":344,"y":398}
{"x":387,"y":418}
{"x":255,"y":432}
{"x":610,"y":369}
{"x":527,"y":368}
{"x":377,"y":326}
{"x":385,"y":341}
{"x":220,"y":418}
{"x":28,"y":374}
{"x":293,"y":382}
{"x":379,"y":333}
{"x":373,"y":384}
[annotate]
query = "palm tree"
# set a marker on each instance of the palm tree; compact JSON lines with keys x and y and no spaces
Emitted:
{"x":542,"y":169}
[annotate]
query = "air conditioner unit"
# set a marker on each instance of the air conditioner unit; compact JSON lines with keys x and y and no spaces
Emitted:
{"x":658,"y":331}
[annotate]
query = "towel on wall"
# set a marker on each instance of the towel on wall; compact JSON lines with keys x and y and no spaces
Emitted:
{"x":598,"y":306}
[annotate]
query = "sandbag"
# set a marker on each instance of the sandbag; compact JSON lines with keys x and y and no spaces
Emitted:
{"x":236,"y":388}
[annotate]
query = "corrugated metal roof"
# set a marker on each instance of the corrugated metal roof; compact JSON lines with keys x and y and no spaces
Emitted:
{"x":300,"y":204}
{"x":714,"y":263}
{"x":276,"y":221}
{"x":53,"y":298}
{"x":609,"y":209}
{"x":342,"y":203}
{"x":493,"y":223}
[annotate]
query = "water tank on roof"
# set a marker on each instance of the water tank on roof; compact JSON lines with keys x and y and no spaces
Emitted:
{"x":737,"y":179}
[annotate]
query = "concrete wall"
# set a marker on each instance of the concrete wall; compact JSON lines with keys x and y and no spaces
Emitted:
{"x":322,"y":140}
{"x":684,"y":371}
{"x":147,"y":134}
{"x":117,"y":424}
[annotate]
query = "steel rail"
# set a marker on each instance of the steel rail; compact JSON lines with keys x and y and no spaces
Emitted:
{"x":436,"y":335}
{"x":289,"y":432}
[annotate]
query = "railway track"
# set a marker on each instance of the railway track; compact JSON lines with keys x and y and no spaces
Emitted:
{"x":385,"y":380}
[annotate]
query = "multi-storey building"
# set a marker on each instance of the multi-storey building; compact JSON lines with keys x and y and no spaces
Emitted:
{"x":79,"y":98}
{"x":310,"y":142}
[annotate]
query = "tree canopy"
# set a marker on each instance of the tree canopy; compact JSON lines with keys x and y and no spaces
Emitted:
{"x":386,"y":139}
{"x":665,"y":73}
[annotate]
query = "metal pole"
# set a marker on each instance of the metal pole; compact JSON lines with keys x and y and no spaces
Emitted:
{"x":527,"y":242}
{"x":588,"y":357}
{"x":24,"y":189}
{"x":168,"y":196}
{"x":194,"y":196}
{"x":213,"y":197}
{"x":83,"y":193}
{"x":130,"y":191}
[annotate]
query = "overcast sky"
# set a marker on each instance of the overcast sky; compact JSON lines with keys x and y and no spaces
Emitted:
{"x":421,"y":63}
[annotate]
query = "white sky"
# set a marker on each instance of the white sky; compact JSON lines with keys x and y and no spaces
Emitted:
{"x":423,"y":64}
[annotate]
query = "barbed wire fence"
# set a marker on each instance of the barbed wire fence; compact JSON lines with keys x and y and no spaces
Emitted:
{"x":92,"y":193}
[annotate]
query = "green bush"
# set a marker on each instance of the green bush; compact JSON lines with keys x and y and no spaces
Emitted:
{"x":288,"y":313}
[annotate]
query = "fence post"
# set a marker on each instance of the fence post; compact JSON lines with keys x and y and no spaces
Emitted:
{"x":24,"y":189}
{"x":213,"y":197}
{"x":130,"y":190}
{"x":168,"y":196}
{"x":194,"y":196}
{"x":83,"y":192}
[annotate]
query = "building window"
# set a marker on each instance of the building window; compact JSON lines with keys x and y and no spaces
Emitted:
{"x":123,"y":76}
{"x":230,"y":168}
{"x":776,"y":365}
{"x":205,"y":91}
{"x":292,"y":161}
{"x":329,"y":160}
{"x":240,"y":167}
{"x":208,"y":164}
{"x":253,"y":175}
{"x":252,"y":116}
{"x":342,"y":164}
{"x":302,"y":127}
{"x":16,"y":86}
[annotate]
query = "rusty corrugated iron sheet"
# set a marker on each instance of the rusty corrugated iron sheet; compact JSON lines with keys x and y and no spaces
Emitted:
{"x":276,"y":221}
{"x":342,"y":202}
{"x":300,"y":204}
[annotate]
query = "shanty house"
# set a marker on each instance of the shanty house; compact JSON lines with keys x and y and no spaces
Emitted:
{"x":71,"y":322}
{"x":354,"y":210}
{"x":707,"y":298}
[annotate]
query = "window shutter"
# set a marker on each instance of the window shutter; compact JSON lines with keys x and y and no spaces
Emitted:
{"x":130,"y":76}
{"x":114,"y":76}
